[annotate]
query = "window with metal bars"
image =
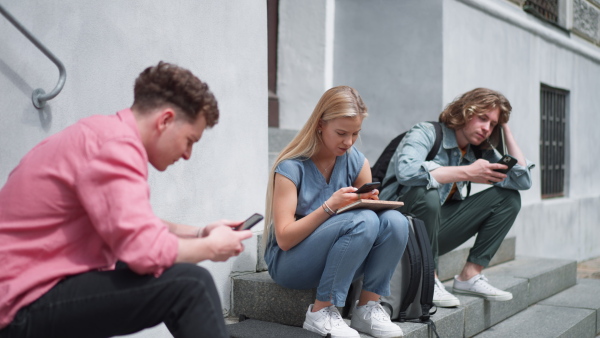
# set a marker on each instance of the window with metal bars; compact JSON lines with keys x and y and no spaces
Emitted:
{"x":544,"y":9}
{"x":553,"y":106}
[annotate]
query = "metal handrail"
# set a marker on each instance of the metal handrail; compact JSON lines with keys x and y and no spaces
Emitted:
{"x":39,"y":96}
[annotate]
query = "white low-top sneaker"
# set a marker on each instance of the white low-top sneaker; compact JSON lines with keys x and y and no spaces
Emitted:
{"x":479,"y":286}
{"x":372,"y":319}
{"x":328,"y":320}
{"x":443,"y":298}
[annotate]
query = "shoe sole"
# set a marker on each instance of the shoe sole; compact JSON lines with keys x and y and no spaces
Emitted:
{"x":376,"y":333}
{"x":317,"y":331}
{"x":499,"y":298}
{"x":447,"y":303}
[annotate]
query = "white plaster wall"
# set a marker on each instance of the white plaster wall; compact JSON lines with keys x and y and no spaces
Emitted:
{"x":391,"y":52}
{"x":302,"y":54}
{"x":104,"y":46}
{"x":482,"y":50}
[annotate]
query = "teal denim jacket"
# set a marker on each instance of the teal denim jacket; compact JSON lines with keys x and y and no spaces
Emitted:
{"x":410,"y":168}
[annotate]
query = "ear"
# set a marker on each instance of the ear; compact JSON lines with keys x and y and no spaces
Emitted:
{"x":321,"y":122}
{"x":164,"y":118}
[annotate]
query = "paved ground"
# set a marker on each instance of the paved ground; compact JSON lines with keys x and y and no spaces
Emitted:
{"x":589,"y":269}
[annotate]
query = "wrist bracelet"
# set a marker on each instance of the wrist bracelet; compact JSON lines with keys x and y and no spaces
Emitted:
{"x":328,"y":209}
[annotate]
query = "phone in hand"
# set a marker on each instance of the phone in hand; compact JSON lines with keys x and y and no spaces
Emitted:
{"x":368,"y":187}
{"x":250,"y":222}
{"x":508,"y":161}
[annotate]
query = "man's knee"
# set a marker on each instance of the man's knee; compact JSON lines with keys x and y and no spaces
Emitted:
{"x":191,"y":277}
{"x":421,"y":200}
{"x":510,"y":199}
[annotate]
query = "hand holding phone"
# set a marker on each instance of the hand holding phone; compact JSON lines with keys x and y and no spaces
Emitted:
{"x":368,"y":187}
{"x":250,"y":222}
{"x":508,"y":161}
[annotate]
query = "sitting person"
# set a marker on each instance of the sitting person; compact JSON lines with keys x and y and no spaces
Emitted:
{"x":433,"y":190}
{"x":308,"y":245}
{"x":79,"y":202}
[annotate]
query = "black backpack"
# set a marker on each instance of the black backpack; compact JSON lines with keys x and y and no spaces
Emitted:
{"x":380,"y":167}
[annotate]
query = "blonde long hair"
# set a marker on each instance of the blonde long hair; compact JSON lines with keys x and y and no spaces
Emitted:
{"x":341,"y":101}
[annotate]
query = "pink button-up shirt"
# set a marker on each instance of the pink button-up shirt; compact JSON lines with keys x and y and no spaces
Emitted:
{"x":77,"y":202}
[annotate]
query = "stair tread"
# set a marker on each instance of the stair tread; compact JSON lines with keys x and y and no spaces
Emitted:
{"x":530,"y":279}
{"x":546,"y":321}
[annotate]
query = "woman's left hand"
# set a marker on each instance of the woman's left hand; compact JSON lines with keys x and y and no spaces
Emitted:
{"x":371,"y":195}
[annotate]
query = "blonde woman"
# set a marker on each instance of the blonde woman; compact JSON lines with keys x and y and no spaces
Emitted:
{"x":308,"y":245}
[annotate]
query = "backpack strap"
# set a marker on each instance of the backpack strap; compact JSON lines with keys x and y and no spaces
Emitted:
{"x":414,"y":257}
{"x":428,"y":268}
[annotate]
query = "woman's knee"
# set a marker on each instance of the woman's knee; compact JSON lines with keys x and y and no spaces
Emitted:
{"x":395,"y":223}
{"x":366,"y":222}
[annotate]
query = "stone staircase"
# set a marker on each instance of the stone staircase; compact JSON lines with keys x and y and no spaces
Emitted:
{"x":548,"y":300}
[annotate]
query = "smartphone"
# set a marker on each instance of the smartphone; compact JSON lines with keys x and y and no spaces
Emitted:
{"x":250,"y":222}
{"x":368,"y":187}
{"x":506,"y":160}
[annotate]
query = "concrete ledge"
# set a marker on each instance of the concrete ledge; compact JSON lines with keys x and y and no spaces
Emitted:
{"x":257,"y":296}
{"x":584,"y":295}
{"x":253,"y":328}
{"x":546,"y":321}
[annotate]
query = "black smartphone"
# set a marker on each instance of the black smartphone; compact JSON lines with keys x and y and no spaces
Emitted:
{"x":508,"y":161}
{"x":368,"y":187}
{"x":250,"y":222}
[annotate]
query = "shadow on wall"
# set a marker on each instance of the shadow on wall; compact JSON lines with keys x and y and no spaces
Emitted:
{"x":44,"y":114}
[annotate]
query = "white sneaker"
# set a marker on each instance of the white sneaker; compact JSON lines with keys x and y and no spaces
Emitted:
{"x":479,"y":286}
{"x":328,"y":320}
{"x":443,"y":298}
{"x":372,"y":319}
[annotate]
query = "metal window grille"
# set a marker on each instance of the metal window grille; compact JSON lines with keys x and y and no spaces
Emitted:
{"x":553,"y":106}
{"x":544,"y":9}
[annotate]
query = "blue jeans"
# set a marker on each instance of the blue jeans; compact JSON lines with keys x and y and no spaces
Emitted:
{"x":343,"y":248}
{"x":118,"y":302}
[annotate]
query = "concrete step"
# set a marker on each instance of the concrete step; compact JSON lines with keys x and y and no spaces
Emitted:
{"x":278,"y":139}
{"x":570,"y":313}
{"x":529,"y":279}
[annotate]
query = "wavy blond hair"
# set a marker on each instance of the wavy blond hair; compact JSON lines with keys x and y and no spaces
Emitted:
{"x":341,"y":101}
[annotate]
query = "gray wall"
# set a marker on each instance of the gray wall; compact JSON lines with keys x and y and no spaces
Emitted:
{"x":508,"y":50}
{"x":410,"y":58}
{"x":104,"y":46}
{"x":391,"y":52}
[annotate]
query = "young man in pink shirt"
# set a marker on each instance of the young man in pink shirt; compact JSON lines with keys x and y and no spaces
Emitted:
{"x":78,"y":202}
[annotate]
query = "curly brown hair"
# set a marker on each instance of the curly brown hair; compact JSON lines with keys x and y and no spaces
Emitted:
{"x":167,"y":83}
{"x":475,"y":102}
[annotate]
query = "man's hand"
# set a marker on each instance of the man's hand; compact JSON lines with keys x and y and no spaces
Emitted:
{"x":218,"y":242}
{"x":226,"y":242}
{"x":207,"y":229}
{"x":482,"y":171}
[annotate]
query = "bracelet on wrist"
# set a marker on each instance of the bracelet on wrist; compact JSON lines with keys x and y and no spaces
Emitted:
{"x":328,"y":209}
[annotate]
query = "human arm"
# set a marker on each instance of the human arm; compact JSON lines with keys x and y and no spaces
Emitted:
{"x":183,"y":230}
{"x":218,"y":242}
{"x":289,"y":231}
{"x":483,"y":170}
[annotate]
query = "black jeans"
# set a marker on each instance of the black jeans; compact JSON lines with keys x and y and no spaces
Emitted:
{"x":108,"y":303}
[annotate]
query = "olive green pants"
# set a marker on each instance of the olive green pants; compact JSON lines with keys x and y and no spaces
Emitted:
{"x":488,"y":214}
